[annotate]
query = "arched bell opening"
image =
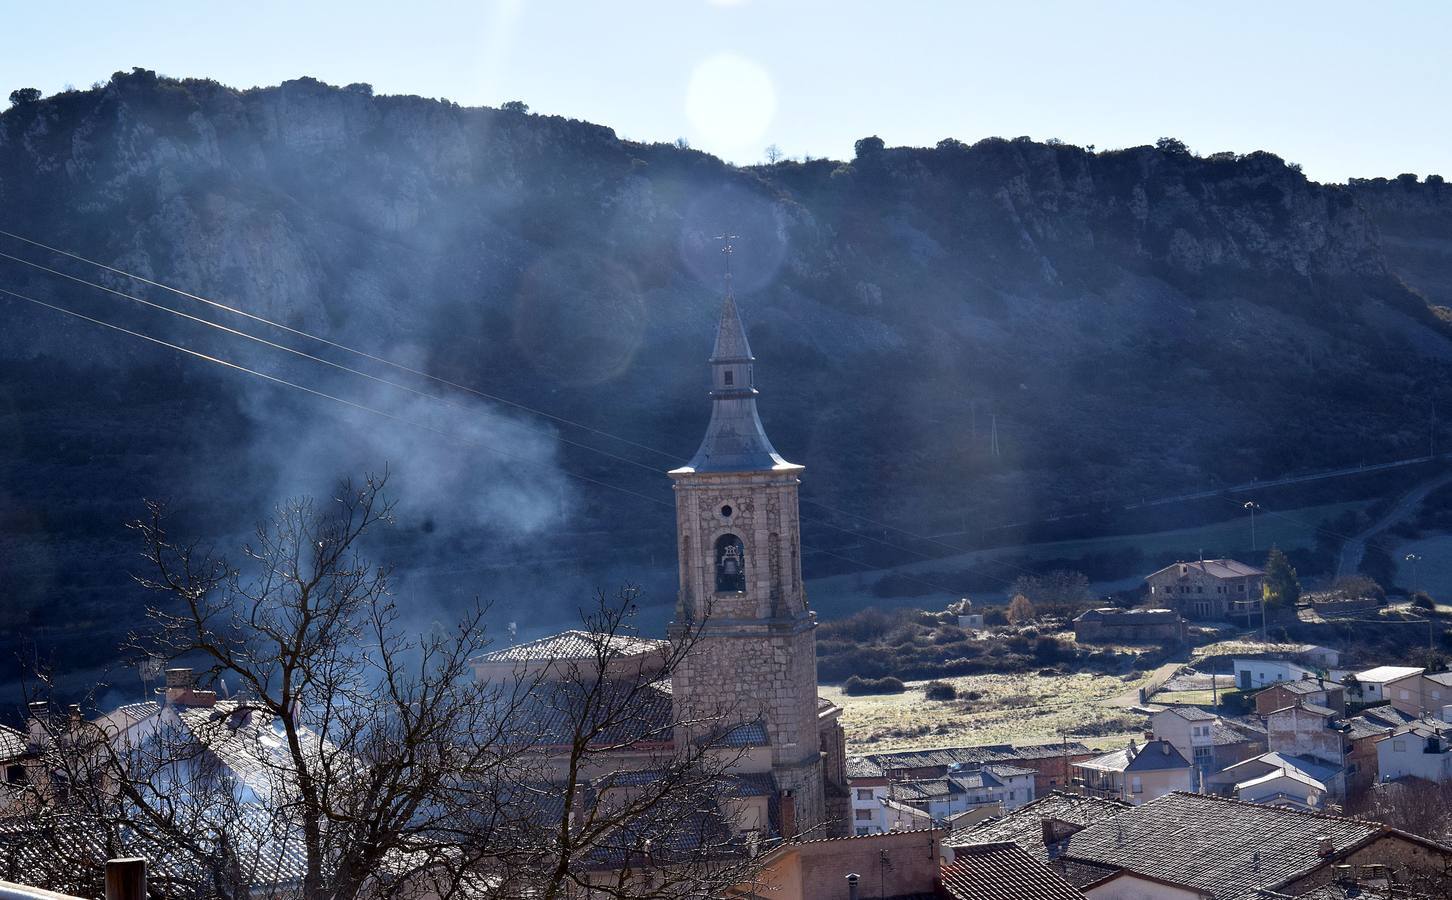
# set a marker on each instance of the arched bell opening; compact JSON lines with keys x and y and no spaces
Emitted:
{"x":730,"y":565}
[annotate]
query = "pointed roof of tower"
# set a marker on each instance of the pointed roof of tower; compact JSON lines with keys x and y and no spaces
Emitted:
{"x":730,"y":335}
{"x":735,"y":440}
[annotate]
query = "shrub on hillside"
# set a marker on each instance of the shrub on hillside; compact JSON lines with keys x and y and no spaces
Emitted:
{"x":1423,"y":600}
{"x":940,"y":690}
{"x":995,"y":617}
{"x":857,"y":685}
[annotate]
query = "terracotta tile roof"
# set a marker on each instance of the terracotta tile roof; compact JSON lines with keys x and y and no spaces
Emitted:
{"x":1002,"y":871}
{"x":1359,"y":727}
{"x":1024,"y":826}
{"x":1218,"y":568}
{"x":746,"y":734}
{"x":1388,"y":715}
{"x":1153,"y":756}
{"x":572,"y":645}
{"x":1224,"y":847}
{"x":1191,"y":713}
{"x":1225,"y":733}
{"x":636,"y":713}
{"x":876,"y":765}
{"x":1302,"y":686}
{"x":13,"y":744}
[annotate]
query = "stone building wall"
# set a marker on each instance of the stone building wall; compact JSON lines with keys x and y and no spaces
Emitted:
{"x":1421,"y":866}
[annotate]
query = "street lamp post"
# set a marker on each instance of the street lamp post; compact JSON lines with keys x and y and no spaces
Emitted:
{"x":1252,"y":506}
{"x":1414,"y":559}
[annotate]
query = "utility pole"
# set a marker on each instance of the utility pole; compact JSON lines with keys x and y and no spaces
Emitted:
{"x":1252,"y":506}
{"x":995,"y":435}
{"x":1414,"y":559}
{"x":1263,"y":639}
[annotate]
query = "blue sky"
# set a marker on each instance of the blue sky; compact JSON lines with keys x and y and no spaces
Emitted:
{"x":1345,"y":89}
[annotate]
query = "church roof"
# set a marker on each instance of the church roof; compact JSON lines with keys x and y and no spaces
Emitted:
{"x":735,"y":440}
{"x":573,"y":645}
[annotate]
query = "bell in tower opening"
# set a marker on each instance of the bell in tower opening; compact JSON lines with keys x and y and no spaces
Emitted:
{"x":730,"y":565}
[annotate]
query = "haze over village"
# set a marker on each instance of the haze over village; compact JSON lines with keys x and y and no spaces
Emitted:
{"x":703,"y":451}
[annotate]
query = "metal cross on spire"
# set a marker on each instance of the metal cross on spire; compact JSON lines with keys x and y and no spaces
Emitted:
{"x":726,"y":248}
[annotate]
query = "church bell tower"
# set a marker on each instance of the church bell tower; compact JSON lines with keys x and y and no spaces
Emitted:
{"x":741,"y":595}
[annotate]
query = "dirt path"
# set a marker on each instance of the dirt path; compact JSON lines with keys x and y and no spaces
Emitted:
{"x":1130,"y":698}
{"x":1354,"y":549}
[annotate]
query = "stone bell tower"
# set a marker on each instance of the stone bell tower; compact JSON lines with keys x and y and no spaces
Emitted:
{"x":741,"y":581}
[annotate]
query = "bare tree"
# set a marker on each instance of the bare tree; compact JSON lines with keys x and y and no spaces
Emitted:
{"x":362,"y":759}
{"x":773,"y":154}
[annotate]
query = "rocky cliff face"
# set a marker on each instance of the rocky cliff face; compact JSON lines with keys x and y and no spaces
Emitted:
{"x":1135,"y":322}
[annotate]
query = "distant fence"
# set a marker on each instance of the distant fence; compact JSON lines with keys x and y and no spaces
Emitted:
{"x":1157,"y":681}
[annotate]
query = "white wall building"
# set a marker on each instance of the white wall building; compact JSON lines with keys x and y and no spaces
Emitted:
{"x":1258,"y":673}
{"x":1421,"y":749}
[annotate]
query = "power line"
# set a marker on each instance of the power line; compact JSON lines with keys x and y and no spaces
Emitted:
{"x":308,"y":356}
{"x":215,"y":304}
{"x":326,"y":396}
{"x":406,"y":421}
{"x":334,"y":344}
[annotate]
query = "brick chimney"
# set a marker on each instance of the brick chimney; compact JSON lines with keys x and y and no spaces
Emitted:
{"x":181,"y":689}
{"x":788,"y":804}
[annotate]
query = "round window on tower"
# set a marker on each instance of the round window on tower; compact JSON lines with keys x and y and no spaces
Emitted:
{"x":726,"y":511}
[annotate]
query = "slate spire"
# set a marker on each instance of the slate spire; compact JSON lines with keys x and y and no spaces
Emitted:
{"x":735,"y":440}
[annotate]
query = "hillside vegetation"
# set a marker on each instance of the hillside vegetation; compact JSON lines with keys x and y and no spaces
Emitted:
{"x":1134,"y":322}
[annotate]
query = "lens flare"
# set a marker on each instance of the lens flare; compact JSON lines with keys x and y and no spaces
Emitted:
{"x":730,"y":102}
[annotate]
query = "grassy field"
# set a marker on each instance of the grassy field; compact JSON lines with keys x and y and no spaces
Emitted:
{"x":1011,"y":709}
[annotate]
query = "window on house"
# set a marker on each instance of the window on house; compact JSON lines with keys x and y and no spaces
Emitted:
{"x":864,"y":793}
{"x":862,"y":831}
{"x":863,"y":815}
{"x":730,"y":377}
{"x":1242,"y":588}
{"x":1399,"y":746}
{"x":1136,"y":785}
{"x":1199,"y":589}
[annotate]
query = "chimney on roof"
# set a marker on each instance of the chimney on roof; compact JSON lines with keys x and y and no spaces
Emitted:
{"x":1132,"y":750}
{"x":788,"y":805}
{"x":1056,"y":830}
{"x":1324,"y":846}
{"x":852,"y":880}
{"x":36,"y":724}
{"x":181,"y":689}
{"x":1165,"y":747}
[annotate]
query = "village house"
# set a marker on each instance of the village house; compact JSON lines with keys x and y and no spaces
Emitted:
{"x":1002,"y":871}
{"x":1317,"y":691}
{"x":1391,"y":684}
{"x":1252,"y":672}
{"x":1206,"y":589}
{"x":904,"y":863}
{"x":1135,"y":774}
{"x":1111,"y":625}
{"x":1188,"y":846}
{"x":1361,"y":762}
{"x":1422,"y":694}
{"x":966,"y":788}
{"x":1210,"y":742}
{"x":869,"y":776}
{"x":1419,"y":749}
{"x":1329,"y":758}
